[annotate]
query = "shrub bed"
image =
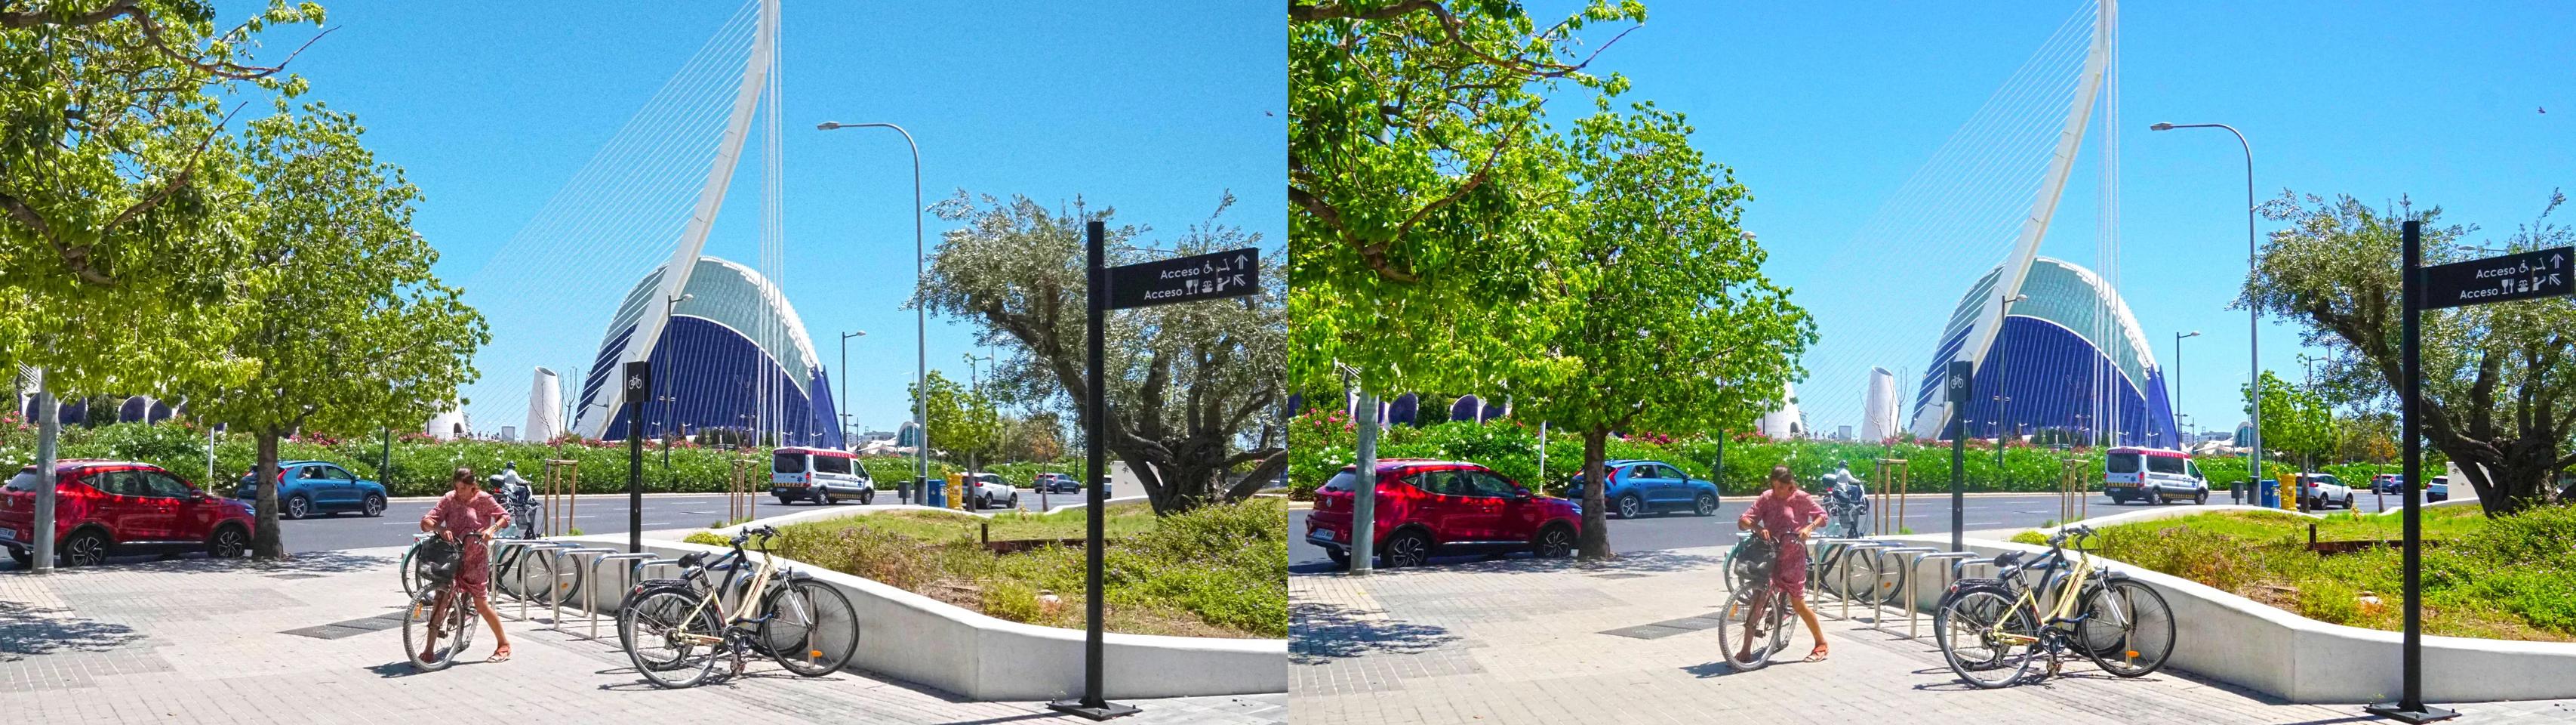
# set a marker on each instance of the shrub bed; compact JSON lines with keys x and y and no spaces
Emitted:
{"x":1216,"y":571}
{"x":2506,"y":578}
{"x":1321,"y":442}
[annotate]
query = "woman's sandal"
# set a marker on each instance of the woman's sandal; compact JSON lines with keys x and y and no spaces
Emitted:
{"x":501,"y":654}
{"x":1817,"y":654}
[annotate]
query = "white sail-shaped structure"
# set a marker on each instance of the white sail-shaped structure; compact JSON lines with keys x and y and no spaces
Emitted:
{"x":545,"y":406}
{"x":1879,"y":408}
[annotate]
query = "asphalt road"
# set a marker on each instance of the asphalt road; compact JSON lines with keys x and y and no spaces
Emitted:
{"x":1924,"y":514}
{"x":593,"y":514}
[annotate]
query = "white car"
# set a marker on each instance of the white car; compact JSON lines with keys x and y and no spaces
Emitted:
{"x":2319,"y":490}
{"x":987,"y":490}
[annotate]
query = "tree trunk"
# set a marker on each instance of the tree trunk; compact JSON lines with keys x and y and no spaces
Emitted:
{"x":1594,"y":543}
{"x":265,"y":542}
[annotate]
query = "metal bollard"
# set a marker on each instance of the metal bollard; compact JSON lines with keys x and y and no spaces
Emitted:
{"x":1913,"y":598}
{"x":576,"y":554}
{"x":1878,"y":604}
{"x":590,"y":589}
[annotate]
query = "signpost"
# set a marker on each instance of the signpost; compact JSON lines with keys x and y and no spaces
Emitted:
{"x":2528,"y":275}
{"x":639,"y":377}
{"x":1962,"y":379}
{"x":1218,"y":275}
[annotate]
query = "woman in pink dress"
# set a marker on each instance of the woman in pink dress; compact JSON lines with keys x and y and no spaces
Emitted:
{"x":1785,"y":515}
{"x":464,"y":510}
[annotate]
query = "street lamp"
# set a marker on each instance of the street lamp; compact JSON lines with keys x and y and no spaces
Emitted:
{"x":845,"y":383}
{"x":921,"y":313}
{"x":2174,"y":399}
{"x":2001,"y":400}
{"x":2253,"y":314}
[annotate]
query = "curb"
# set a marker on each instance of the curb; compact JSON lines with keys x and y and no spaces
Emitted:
{"x":620,"y":494}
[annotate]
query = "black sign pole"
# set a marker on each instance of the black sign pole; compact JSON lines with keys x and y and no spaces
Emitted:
{"x":1094,"y":704}
{"x":639,"y":377}
{"x":1962,"y":375}
{"x":2413,"y":295}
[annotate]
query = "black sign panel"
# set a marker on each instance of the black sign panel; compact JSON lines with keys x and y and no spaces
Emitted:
{"x":1962,"y":377}
{"x":1234,"y":273}
{"x":2529,"y":275}
{"x":639,"y":380}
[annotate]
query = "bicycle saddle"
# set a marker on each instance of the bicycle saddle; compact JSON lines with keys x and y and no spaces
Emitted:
{"x":690,"y":560}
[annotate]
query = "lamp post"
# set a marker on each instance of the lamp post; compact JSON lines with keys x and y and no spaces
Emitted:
{"x":2002,"y":401}
{"x":845,"y":384}
{"x":2174,"y":400}
{"x":2253,"y":315}
{"x":921,"y":314}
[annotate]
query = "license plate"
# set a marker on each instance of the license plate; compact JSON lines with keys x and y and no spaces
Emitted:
{"x":9,"y":534}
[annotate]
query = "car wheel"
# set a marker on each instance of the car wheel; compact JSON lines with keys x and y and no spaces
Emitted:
{"x":1341,"y":559}
{"x":2200,"y":500}
{"x":228,"y":542}
{"x":2347,"y":501}
{"x":23,"y":558}
{"x":782,"y":500}
{"x":1553,"y":542}
{"x":867,"y":496}
{"x":373,"y":506}
{"x":1015,"y":501}
{"x":1630,"y":507}
{"x":86,"y":548}
{"x":1409,"y":548}
{"x":1707,"y":505}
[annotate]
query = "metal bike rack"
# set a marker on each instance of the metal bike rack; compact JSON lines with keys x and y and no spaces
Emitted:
{"x":1849,"y":546}
{"x":535,"y":547}
{"x":590,"y":587}
{"x":1877,"y":606}
{"x":1914,"y":616}
{"x":575,"y":553}
{"x":496,"y":552}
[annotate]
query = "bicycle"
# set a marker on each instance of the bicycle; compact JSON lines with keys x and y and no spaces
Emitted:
{"x":1757,"y":613}
{"x":1989,"y":628}
{"x":673,"y":632}
{"x":508,"y":575}
{"x":439,"y":610}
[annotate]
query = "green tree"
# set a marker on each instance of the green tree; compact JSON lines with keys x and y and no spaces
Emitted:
{"x":2499,"y":386}
{"x":1675,"y":329}
{"x":1417,"y":177}
{"x":1185,"y":381}
{"x":963,"y":422}
{"x":2296,"y":419}
{"x":356,"y":333}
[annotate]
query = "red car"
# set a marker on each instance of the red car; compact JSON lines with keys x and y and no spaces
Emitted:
{"x":120,"y":507}
{"x":1427,"y":508}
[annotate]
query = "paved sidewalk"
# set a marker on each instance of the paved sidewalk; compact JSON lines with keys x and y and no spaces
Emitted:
{"x":1526,"y":641}
{"x":206,"y":641}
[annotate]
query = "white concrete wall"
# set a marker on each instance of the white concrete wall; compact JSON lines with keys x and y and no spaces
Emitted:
{"x":2237,"y":640}
{"x":926,"y":641}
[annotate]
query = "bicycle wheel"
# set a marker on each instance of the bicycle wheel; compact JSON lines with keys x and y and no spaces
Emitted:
{"x":1887,"y":575}
{"x":812,"y":629}
{"x":1858,"y":575}
{"x":423,"y":619}
{"x":2128,"y":629}
{"x":1987,"y":640}
{"x":673,"y":640}
{"x":1747,"y":630}
{"x":406,"y":567}
{"x":628,"y":621}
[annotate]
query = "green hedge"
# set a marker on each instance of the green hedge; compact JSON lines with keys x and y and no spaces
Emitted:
{"x":1322,"y":442}
{"x":421,"y":464}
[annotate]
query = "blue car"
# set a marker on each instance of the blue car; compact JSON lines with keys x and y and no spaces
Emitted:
{"x":1638,"y":487}
{"x":305,"y":488}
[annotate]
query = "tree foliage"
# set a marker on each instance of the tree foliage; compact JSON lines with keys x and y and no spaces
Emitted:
{"x":2499,"y":379}
{"x":963,"y":421}
{"x":1417,"y":175}
{"x":1186,"y":382}
{"x":2296,"y":419}
{"x":1672,"y":327}
{"x":353,"y":333}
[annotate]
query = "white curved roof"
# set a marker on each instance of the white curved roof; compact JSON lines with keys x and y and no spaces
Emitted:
{"x":726,"y":293}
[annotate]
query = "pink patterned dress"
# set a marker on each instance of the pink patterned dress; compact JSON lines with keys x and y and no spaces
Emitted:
{"x":461,"y":516}
{"x":1781,"y":518}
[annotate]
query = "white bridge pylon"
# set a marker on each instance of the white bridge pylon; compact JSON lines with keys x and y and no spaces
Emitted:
{"x":756,"y":90}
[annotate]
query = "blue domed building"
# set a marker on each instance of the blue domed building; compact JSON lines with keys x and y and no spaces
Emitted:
{"x":2070,"y":359}
{"x":734,"y":356}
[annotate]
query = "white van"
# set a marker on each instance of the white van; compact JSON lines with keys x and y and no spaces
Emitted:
{"x":2153,"y":475}
{"x":820,"y":475}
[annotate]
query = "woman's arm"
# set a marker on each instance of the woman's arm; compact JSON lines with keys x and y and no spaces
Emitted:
{"x":431,"y":520}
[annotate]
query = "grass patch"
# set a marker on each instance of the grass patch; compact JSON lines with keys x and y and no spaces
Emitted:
{"x":2507,"y":578}
{"x":1219,"y":571}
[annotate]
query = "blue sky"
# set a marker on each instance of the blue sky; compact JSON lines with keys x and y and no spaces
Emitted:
{"x":1152,"y":108}
{"x":1824,"y":109}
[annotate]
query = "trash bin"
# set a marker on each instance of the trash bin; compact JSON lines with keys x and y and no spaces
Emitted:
{"x":2271,"y":497}
{"x":930,"y":494}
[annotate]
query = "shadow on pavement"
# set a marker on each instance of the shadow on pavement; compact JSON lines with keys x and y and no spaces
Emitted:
{"x":1642,"y":562}
{"x":315,"y":562}
{"x":1319,"y":633}
{"x":27,"y":631}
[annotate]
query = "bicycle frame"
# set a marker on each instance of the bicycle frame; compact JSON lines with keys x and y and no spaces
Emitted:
{"x":2079,"y":572}
{"x":741,"y":610}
